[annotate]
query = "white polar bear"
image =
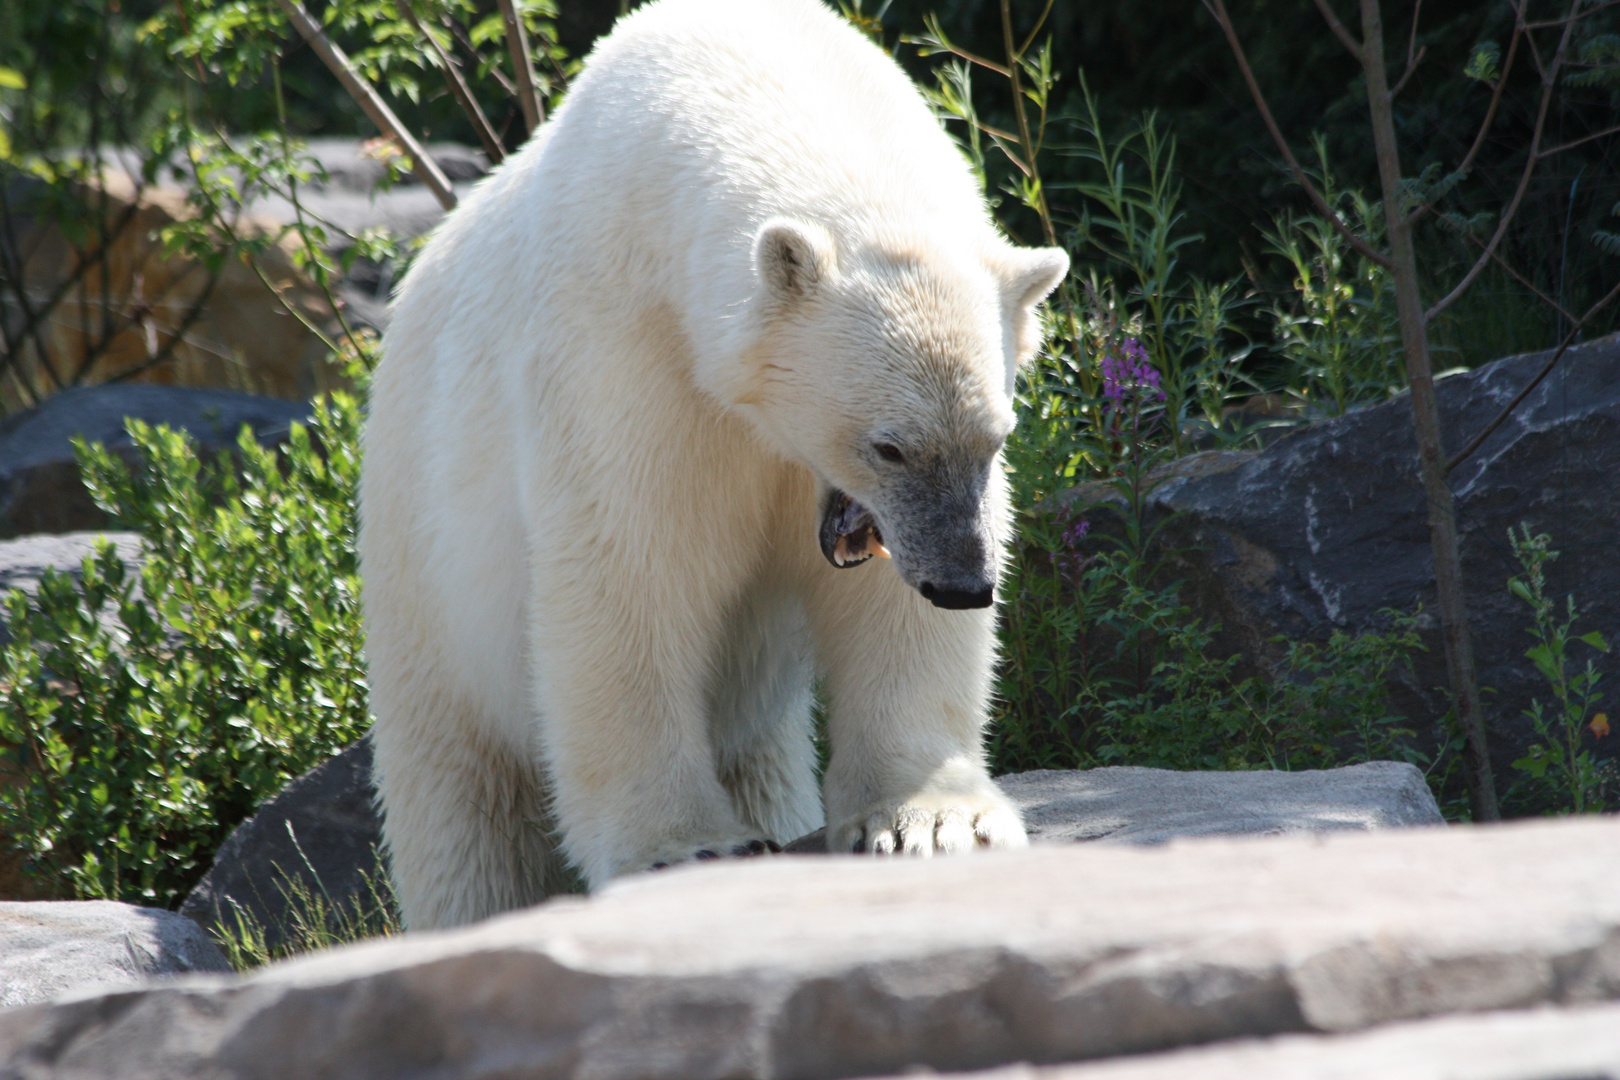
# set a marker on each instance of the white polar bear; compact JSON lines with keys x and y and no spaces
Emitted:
{"x":736,"y":317}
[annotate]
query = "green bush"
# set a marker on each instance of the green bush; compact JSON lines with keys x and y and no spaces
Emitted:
{"x":148,"y":716}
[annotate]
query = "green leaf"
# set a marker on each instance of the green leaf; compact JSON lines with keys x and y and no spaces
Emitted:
{"x":11,"y":79}
{"x":1595,"y":639}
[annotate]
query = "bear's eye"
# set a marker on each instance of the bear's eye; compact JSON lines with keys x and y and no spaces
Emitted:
{"x":889,"y":452}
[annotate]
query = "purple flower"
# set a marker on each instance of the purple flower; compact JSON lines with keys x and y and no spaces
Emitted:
{"x":1130,"y":372}
{"x":1075,"y":533}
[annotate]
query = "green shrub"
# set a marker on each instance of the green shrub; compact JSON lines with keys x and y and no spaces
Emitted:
{"x":147,"y":717}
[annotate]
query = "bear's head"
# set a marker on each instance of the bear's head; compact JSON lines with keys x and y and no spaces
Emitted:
{"x":888,"y":371}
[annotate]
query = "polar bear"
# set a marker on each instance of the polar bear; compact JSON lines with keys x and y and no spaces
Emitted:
{"x":696,"y":399}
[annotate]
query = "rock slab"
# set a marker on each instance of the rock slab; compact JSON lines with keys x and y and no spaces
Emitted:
{"x":331,"y":813}
{"x":40,"y":490}
{"x":1534,"y":1044}
{"x":849,"y":966}
{"x":1131,"y":805}
{"x":320,"y":834}
{"x":48,"y":949}
{"x":1327,"y":528}
{"x":23,"y":561}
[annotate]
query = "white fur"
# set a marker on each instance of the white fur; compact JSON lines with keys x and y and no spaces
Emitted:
{"x":594,"y":592}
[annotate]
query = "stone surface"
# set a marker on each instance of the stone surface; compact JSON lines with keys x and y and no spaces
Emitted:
{"x":49,"y":949}
{"x":330,"y":810}
{"x":144,"y":314}
{"x":1535,"y":1044}
{"x":1126,"y":804}
{"x":24,"y":560}
{"x":40,"y":491}
{"x":850,"y":966}
{"x":320,"y":834}
{"x":1326,"y":528}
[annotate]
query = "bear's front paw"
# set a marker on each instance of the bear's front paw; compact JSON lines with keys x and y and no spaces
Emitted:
{"x":718,"y":849}
{"x":926,"y":823}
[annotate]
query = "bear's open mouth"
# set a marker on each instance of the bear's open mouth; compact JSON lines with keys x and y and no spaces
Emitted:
{"x":849,"y":533}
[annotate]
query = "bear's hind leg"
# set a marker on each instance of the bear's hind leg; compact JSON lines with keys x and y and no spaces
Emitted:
{"x":464,"y":820}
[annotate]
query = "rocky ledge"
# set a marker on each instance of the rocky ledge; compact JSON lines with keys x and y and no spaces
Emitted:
{"x":847,"y":966}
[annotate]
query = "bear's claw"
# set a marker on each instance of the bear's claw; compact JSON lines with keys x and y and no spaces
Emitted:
{"x":742,"y":849}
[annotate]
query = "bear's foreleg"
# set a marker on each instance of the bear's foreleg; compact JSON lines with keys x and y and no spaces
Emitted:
{"x":908,"y":685}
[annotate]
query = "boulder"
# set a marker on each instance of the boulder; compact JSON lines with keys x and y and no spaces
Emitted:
{"x":319,"y":837}
{"x":1531,"y":1044}
{"x":321,"y":833}
{"x":40,"y":490}
{"x":1326,"y":528}
{"x":850,"y":966}
{"x":1130,"y":805}
{"x":48,"y":949}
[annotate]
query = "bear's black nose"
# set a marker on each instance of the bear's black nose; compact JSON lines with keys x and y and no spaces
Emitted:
{"x":957,"y":599}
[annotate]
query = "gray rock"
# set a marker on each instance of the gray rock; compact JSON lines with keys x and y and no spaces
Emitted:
{"x":48,"y":948}
{"x":1130,"y":805}
{"x":1325,"y":529}
{"x":40,"y":490}
{"x":1125,"y":804}
{"x":1535,"y":1044}
{"x":320,"y":837}
{"x":847,"y":966}
{"x":23,"y":561}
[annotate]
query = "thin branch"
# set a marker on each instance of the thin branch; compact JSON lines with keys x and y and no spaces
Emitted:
{"x":1583,"y":139}
{"x":1217,"y":8}
{"x":426,"y":169}
{"x":1548,"y":84}
{"x":517,"y":43}
{"x":1518,"y":399}
{"x":1412,"y":57}
{"x":1579,"y":15}
{"x":1040,"y":22}
{"x":459,"y":32}
{"x":458,"y":86}
{"x":1411,"y":66}
{"x":1522,"y":280}
{"x":1023,"y":122}
{"x":1340,"y":31}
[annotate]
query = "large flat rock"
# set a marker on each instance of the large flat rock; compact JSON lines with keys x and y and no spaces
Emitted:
{"x":1326,"y":529}
{"x":40,"y":489}
{"x":1535,"y":1044}
{"x":849,"y":966}
{"x":52,"y":948}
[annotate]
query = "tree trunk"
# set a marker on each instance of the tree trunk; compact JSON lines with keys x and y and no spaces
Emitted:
{"x":1426,"y":420}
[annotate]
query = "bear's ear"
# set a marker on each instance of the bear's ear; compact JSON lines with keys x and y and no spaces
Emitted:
{"x":792,"y":258}
{"x":1031,"y":273}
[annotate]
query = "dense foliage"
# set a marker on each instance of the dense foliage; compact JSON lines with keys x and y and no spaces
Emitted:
{"x":147,"y":715}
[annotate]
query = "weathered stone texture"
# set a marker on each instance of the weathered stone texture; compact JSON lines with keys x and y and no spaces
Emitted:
{"x":848,"y":966}
{"x":52,"y":948}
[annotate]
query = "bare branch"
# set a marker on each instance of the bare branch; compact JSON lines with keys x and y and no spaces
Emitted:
{"x":426,"y":169}
{"x":1583,"y":139}
{"x":1340,"y":31}
{"x":1411,"y":66}
{"x":458,"y":86}
{"x":1217,"y":8}
{"x":517,"y":43}
{"x":1518,"y":399}
{"x":1548,"y":84}
{"x":1411,"y":44}
{"x":1579,"y":15}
